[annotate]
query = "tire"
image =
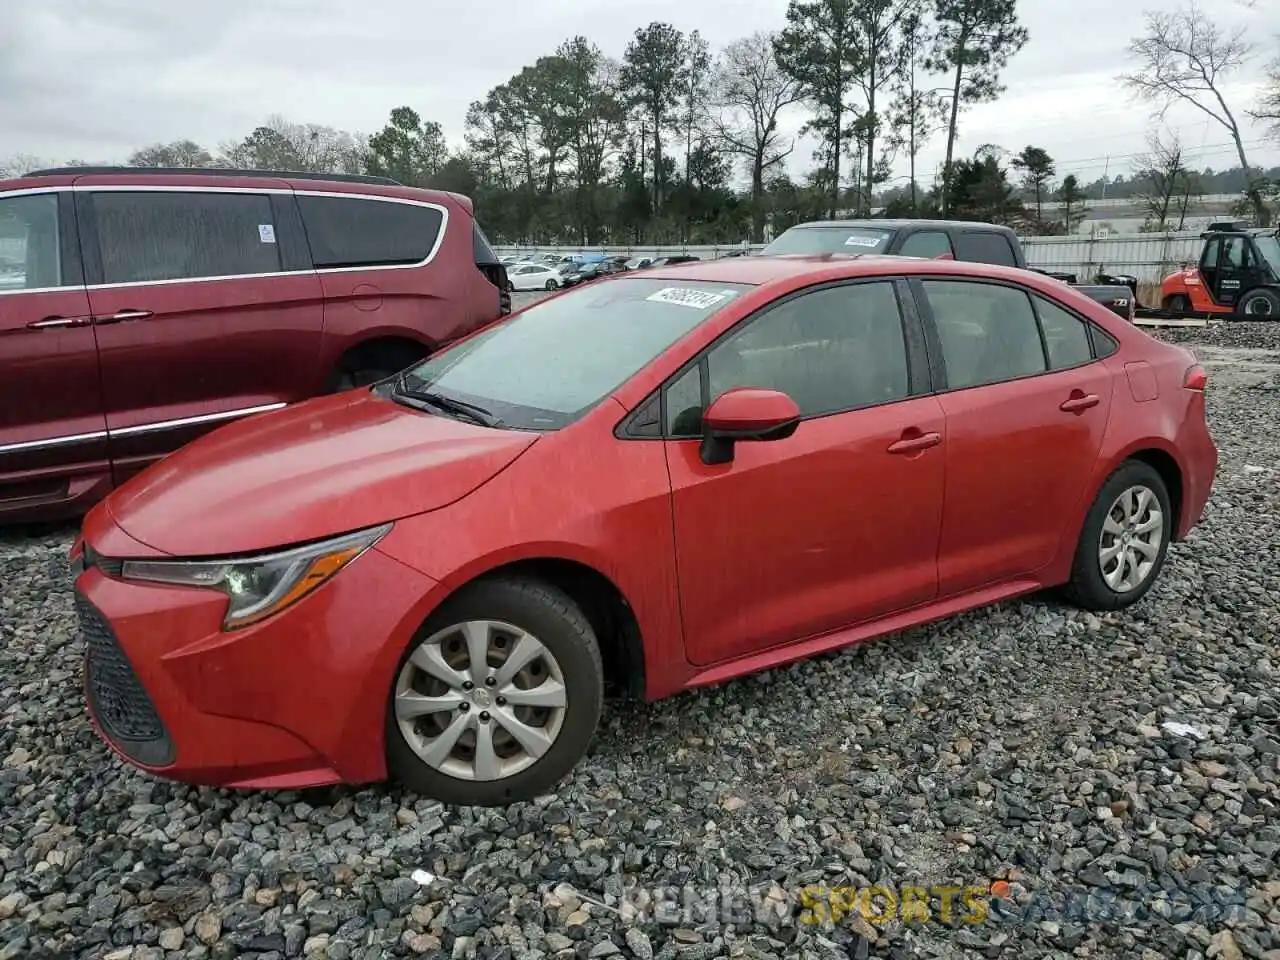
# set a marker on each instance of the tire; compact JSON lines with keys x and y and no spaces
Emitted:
{"x":363,"y":367}
{"x":1262,"y":304}
{"x":511,"y":609}
{"x":1089,"y":587}
{"x":1178,"y":303}
{"x":551,"y":285}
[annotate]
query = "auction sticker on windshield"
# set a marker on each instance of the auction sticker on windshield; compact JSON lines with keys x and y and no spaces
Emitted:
{"x":698,"y":299}
{"x":862,"y":240}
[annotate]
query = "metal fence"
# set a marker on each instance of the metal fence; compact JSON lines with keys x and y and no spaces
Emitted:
{"x":1148,"y":256}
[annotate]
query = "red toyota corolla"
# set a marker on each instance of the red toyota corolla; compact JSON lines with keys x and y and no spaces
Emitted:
{"x":653,"y":482}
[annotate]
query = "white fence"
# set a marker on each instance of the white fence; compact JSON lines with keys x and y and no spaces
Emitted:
{"x":1147,"y":256}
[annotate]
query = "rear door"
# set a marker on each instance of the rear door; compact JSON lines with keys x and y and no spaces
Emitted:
{"x":1026,"y":406}
{"x":53,"y":446}
{"x":205,"y":310}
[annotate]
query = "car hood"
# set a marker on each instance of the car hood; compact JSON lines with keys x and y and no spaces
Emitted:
{"x":313,"y":470}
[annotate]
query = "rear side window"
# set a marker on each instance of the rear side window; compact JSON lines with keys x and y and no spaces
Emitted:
{"x":30,"y":256}
{"x":988,"y":332}
{"x":147,"y":236}
{"x":985,"y":247}
{"x":362,"y":232}
{"x":1066,"y":337}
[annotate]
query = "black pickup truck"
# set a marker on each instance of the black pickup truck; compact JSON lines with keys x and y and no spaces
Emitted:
{"x":934,"y":239}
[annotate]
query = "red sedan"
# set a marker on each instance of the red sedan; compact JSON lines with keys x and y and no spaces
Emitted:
{"x":655,"y":482}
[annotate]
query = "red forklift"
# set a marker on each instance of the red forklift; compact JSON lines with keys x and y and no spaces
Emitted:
{"x":1237,"y":277}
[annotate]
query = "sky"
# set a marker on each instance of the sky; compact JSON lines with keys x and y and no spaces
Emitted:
{"x":134,"y":72}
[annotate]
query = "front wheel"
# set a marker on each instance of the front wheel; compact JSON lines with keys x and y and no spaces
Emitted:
{"x":1261,"y":305}
{"x":551,"y":285}
{"x":1122,"y":546}
{"x":498,"y":698}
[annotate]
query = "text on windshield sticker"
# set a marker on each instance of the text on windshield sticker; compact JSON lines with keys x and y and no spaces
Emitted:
{"x":698,"y":299}
{"x":860,"y":241}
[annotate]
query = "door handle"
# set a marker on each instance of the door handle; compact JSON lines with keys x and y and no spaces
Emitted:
{"x":122,"y":316}
{"x":1078,"y":402}
{"x":915,"y":444}
{"x":59,"y":323}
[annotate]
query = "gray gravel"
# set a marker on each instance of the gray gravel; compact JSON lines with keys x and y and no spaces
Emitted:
{"x":1026,"y":743}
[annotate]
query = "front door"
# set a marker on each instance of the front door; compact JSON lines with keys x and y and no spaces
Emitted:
{"x":1239,"y":269}
{"x":204,"y":313}
{"x":835,"y":525}
{"x":53,"y":442}
{"x":1025,"y":414}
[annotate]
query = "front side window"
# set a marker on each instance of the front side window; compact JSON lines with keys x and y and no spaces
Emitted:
{"x":930,"y":244}
{"x":30,"y":255}
{"x":148,"y":236}
{"x":1066,"y":336}
{"x":366,"y":232}
{"x":1235,"y":253}
{"x":831,"y":350}
{"x":816,"y":241}
{"x":555,"y":360}
{"x":988,"y":332}
{"x":985,"y":247}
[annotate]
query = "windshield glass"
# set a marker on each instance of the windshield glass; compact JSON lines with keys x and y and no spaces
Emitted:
{"x":1269,"y":249}
{"x":812,"y":241}
{"x":553,"y":361}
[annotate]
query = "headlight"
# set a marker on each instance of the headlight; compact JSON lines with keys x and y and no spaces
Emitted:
{"x":258,"y":587}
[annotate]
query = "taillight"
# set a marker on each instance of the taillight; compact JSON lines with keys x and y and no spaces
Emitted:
{"x":1195,"y":378}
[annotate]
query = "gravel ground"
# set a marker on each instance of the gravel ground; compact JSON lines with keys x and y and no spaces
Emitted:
{"x":1028,"y":744}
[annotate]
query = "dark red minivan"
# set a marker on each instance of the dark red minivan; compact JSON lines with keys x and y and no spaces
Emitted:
{"x":141,"y":308}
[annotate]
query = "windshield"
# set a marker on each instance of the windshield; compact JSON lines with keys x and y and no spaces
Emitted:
{"x":813,"y":241}
{"x":550,"y":363}
{"x":1269,"y":250}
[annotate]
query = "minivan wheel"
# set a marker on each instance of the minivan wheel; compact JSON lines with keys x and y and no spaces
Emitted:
{"x":373,"y":361}
{"x":497,"y":698}
{"x":1124,"y":541}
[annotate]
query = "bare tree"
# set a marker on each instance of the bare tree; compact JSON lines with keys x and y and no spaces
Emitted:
{"x":20,"y":164}
{"x":751,"y":92}
{"x":1169,"y":185}
{"x":179,"y":153}
{"x":1185,"y":58}
{"x":1268,"y":108}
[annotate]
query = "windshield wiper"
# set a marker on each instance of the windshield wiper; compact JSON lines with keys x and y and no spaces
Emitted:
{"x":450,"y":405}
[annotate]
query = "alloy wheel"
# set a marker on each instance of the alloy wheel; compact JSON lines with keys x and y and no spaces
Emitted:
{"x":1132,"y":534}
{"x":480,"y":700}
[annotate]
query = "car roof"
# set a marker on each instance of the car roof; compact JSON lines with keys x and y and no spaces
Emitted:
{"x":899,"y":224}
{"x":105,"y":176}
{"x":797,"y":270}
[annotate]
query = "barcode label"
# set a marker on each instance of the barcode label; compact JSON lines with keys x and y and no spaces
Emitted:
{"x":698,"y":299}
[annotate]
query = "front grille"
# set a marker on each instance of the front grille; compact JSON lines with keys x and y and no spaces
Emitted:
{"x":116,"y":696}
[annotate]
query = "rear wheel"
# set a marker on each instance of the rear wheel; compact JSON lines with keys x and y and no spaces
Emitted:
{"x":1178,"y":303}
{"x":1261,"y":304}
{"x":372,"y":362}
{"x":1122,"y":546}
{"x":498,"y":698}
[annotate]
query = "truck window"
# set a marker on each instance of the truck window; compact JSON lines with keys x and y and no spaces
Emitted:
{"x":985,"y":247}
{"x":926,"y":243}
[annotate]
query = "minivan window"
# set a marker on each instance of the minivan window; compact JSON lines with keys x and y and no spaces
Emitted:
{"x":30,"y":256}
{"x":815,"y":241}
{"x":368,"y":232}
{"x":552,"y":362}
{"x":147,"y":236}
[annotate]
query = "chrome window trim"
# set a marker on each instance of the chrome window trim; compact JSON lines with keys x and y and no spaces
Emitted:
{"x":265,"y":191}
{"x":142,"y":428}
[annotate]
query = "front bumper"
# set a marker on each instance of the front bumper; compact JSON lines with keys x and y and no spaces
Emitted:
{"x":296,"y":700}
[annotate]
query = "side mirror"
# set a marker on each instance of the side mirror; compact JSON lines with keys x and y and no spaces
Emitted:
{"x":745,"y":413}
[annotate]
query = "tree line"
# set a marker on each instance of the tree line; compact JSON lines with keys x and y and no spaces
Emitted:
{"x":582,"y":147}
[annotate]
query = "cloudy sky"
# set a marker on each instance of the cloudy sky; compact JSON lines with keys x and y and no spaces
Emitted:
{"x":94,"y":79}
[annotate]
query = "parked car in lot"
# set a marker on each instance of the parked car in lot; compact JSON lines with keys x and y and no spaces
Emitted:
{"x":584,"y":272}
{"x":973,"y":241}
{"x":152,"y":306}
{"x":533,"y":276}
{"x":657,"y":482}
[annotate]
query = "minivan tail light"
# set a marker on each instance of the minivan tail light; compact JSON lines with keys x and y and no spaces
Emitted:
{"x":1196,"y":378}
